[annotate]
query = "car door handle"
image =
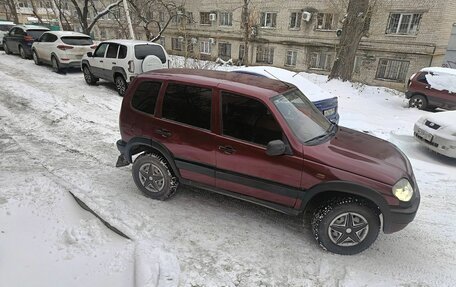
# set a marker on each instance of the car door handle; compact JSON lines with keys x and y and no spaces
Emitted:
{"x":163,"y":132}
{"x":113,"y":63}
{"x":227,"y":149}
{"x":101,"y":61}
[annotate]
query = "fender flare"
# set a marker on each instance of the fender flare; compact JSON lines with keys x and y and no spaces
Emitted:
{"x":120,"y":70}
{"x":139,"y":141}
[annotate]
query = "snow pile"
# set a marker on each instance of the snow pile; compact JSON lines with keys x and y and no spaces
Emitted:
{"x":442,"y":82}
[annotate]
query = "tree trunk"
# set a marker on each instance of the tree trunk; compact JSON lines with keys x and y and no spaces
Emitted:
{"x":246,"y":25}
{"x":12,"y":7}
{"x":352,"y":31}
{"x":35,"y":12}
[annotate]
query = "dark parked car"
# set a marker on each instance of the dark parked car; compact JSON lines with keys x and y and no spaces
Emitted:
{"x":432,"y":88}
{"x":263,"y":141}
{"x":20,"y":38}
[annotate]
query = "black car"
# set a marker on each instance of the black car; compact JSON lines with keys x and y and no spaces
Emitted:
{"x":20,"y":38}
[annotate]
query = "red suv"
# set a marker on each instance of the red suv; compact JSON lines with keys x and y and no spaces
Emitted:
{"x":263,"y":141}
{"x":432,"y":88}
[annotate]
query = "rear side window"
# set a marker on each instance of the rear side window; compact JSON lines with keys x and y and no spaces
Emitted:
{"x":188,"y":104}
{"x":77,"y":41}
{"x":248,"y":119}
{"x":112,"y":51}
{"x":122,"y":52}
{"x":145,"y":97}
{"x":5,"y":27}
{"x":36,"y":34}
{"x":142,"y":51}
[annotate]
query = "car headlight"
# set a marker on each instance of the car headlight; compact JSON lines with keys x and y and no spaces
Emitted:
{"x":403,"y":190}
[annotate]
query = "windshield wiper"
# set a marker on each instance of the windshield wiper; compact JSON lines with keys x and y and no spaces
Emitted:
{"x":330,"y":131}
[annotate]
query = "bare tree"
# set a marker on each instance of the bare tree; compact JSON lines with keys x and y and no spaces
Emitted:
{"x":11,"y":7}
{"x":35,"y":11}
{"x":355,"y":26}
{"x":83,"y":13}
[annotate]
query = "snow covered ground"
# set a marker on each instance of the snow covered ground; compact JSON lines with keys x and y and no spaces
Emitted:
{"x":58,"y":134}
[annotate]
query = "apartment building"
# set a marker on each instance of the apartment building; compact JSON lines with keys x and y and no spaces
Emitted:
{"x":404,"y":35}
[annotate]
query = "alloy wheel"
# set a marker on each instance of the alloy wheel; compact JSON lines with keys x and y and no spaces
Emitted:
{"x":120,"y":85}
{"x":348,"y":229}
{"x":151,"y":177}
{"x":416,"y":103}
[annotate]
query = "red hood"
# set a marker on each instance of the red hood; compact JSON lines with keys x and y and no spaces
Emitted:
{"x":362,"y":154}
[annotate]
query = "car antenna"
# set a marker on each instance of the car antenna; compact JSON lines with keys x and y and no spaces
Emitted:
{"x":285,"y":83}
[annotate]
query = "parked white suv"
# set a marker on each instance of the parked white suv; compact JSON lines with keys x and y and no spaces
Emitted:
{"x":119,"y":61}
{"x":61,"y":49}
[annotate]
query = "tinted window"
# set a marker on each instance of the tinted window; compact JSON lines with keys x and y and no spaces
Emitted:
{"x":146,"y":96}
{"x":248,"y":119}
{"x":44,"y":37}
{"x":188,"y":104}
{"x":112,"y":51}
{"x":142,"y":51}
{"x":17,"y":32}
{"x":36,"y":34}
{"x":51,"y":38}
{"x":101,"y":50}
{"x":422,"y":78}
{"x":77,"y":41}
{"x":5,"y":27}
{"x":122,"y":52}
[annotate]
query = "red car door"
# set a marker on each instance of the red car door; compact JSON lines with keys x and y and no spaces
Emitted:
{"x":247,"y":125}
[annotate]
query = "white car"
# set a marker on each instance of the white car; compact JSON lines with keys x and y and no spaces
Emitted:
{"x":438,"y":132}
{"x":120,"y":61}
{"x":5,"y":26}
{"x":61,"y":49}
{"x":324,"y":101}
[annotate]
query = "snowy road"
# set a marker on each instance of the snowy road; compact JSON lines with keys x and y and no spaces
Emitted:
{"x":67,"y":130}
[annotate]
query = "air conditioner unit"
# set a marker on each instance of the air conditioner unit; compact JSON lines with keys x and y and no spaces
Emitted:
{"x":306,"y":16}
{"x":212,"y":41}
{"x":212,"y":17}
{"x":194,"y":40}
{"x":180,"y":38}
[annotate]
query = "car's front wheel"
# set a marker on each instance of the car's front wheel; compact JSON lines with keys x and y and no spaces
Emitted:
{"x":418,"y":101}
{"x":153,"y":176}
{"x":35,"y":58}
{"x":345,"y":226}
{"x":121,"y":85}
{"x":88,"y":76}
{"x":5,"y":47}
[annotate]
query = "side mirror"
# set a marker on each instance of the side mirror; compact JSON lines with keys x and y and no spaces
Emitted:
{"x":276,"y":147}
{"x":89,"y":54}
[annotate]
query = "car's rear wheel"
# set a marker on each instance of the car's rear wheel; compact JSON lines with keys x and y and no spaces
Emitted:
{"x":35,"y":58}
{"x":88,"y":76}
{"x":418,"y":101}
{"x":345,"y":226}
{"x":5,"y":47}
{"x":22,"y":53}
{"x":121,"y":85}
{"x":55,"y":64}
{"x":153,"y":176}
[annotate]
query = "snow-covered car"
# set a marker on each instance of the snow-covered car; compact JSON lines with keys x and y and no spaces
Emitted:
{"x":61,"y":49}
{"x":324,"y":101}
{"x":5,"y":26}
{"x":431,"y":88}
{"x":120,"y":61}
{"x":438,"y":132}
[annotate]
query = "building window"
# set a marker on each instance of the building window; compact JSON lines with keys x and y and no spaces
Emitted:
{"x":268,"y":20}
{"x":224,"y":51}
{"x":325,"y":21}
{"x":205,"y":18}
{"x":226,"y":19}
{"x":189,"y":17}
{"x":176,"y":44}
{"x":403,"y":23}
{"x":321,"y":61}
{"x":265,"y":55}
{"x":162,"y":41}
{"x":295,"y":20}
{"x":290,"y":59}
{"x":392,"y":70}
{"x":190,"y":45}
{"x":161,"y":16}
{"x":357,"y":64}
{"x":103,"y":33}
{"x":205,"y":47}
{"x":241,"y":52}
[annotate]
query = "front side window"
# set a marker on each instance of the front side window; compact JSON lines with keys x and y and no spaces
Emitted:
{"x":122,"y":52}
{"x":188,"y":105}
{"x":100,"y":52}
{"x":325,"y":21}
{"x":226,"y":19}
{"x":145,"y":97}
{"x":295,"y":20}
{"x":268,"y":20}
{"x":304,"y":119}
{"x":112,"y":50}
{"x":392,"y":70}
{"x":291,"y":58}
{"x":248,"y":119}
{"x":265,"y":55}
{"x":403,"y":23}
{"x":205,"y":18}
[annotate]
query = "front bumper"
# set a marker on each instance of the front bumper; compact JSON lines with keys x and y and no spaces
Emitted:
{"x":440,"y":142}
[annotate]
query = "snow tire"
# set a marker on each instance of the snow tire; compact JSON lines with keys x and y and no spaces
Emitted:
{"x":121,"y":85}
{"x":419,"y":102}
{"x":88,"y":76}
{"x":152,"y":175}
{"x":345,"y":226}
{"x":6,"y":49}
{"x":36,"y":59}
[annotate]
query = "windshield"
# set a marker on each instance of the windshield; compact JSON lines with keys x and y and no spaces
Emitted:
{"x":304,"y":119}
{"x":142,"y":51}
{"x":36,"y":34}
{"x":77,"y":41}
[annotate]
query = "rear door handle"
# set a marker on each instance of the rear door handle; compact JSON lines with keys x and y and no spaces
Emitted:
{"x":101,"y":61}
{"x":163,"y":132}
{"x":227,"y":149}
{"x":113,"y":63}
